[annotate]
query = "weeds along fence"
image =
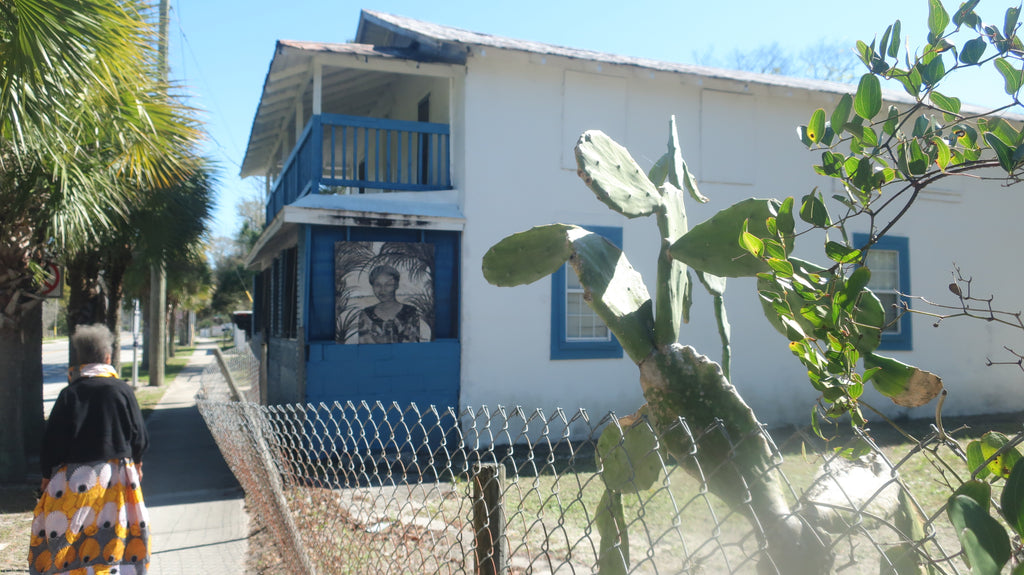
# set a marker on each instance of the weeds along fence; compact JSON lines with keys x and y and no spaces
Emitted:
{"x":371,"y":488}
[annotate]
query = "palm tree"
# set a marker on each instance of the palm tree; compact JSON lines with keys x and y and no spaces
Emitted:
{"x":82,"y":124}
{"x":169,"y":224}
{"x":189,"y":288}
{"x":173,"y":228}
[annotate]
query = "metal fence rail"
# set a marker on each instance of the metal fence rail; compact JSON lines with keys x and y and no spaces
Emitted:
{"x":370,"y":488}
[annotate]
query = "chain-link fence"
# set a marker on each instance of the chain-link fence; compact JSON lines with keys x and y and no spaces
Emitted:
{"x":370,"y":488}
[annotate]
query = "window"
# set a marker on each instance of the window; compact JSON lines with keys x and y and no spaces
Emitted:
{"x":576,"y":331}
{"x":889,"y":262}
{"x":283,"y":295}
{"x":261,"y":303}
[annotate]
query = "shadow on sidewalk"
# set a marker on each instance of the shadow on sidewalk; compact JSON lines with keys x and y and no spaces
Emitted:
{"x":183,"y":464}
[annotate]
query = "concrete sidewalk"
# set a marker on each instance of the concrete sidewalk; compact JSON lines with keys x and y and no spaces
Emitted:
{"x":196,"y":506}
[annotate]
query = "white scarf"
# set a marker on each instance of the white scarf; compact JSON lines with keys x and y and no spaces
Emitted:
{"x":96,"y":370}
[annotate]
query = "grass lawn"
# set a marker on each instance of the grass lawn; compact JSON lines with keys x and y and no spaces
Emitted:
{"x":550,"y":505}
{"x":17,"y":501}
{"x":550,"y":515}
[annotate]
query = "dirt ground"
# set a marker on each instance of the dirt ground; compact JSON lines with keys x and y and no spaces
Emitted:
{"x":16,"y":504}
{"x":263,"y":557}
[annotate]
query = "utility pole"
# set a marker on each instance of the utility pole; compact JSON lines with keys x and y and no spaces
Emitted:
{"x":136,"y":320}
{"x":158,"y":273}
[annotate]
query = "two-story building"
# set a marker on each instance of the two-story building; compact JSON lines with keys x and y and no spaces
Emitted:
{"x":395,"y":161}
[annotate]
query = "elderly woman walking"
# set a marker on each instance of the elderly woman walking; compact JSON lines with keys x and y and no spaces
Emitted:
{"x":91,"y":517}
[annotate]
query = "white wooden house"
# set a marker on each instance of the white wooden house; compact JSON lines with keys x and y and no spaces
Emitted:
{"x":419,"y":133}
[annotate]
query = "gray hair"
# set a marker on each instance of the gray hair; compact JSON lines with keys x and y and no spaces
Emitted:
{"x":93,"y":343}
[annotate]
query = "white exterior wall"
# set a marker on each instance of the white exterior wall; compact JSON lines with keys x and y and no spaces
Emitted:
{"x":512,"y":139}
{"x":975,"y":233}
{"x":401,"y":101}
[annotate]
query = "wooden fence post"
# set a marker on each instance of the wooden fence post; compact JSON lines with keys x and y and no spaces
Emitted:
{"x":489,"y":518}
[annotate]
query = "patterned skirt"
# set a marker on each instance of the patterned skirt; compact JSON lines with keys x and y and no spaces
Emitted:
{"x":91,"y":520}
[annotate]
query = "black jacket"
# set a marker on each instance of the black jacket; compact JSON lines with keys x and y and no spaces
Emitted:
{"x":94,"y":419}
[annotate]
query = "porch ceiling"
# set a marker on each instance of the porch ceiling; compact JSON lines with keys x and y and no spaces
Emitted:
{"x":353,"y":77}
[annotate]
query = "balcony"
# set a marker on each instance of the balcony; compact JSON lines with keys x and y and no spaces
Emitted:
{"x":338,"y":154}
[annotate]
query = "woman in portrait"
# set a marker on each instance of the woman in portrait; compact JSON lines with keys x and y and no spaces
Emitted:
{"x":388,"y":321}
{"x":90,"y":515}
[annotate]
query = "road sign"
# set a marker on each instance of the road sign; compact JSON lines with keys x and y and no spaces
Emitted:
{"x":53,"y":283}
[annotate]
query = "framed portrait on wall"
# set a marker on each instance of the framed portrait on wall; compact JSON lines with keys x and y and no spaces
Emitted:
{"x":383,"y":292}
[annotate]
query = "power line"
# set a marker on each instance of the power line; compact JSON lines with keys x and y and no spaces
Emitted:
{"x":186,"y":46}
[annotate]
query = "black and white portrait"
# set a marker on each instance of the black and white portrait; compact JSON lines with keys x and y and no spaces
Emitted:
{"x":384,"y":292}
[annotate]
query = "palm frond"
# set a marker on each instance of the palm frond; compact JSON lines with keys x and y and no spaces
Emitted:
{"x":346,"y":326}
{"x":424,"y":302}
{"x":175,"y":219}
{"x":78,"y":88}
{"x":416,"y":258}
{"x":346,"y":317}
{"x":351,"y":257}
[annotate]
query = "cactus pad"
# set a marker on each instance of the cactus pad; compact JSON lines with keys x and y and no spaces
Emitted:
{"x":616,"y":292}
{"x":528,"y":256}
{"x":679,"y":174}
{"x":673,"y":282}
{"x":628,"y":454}
{"x":614,"y":176}
{"x":613,"y":289}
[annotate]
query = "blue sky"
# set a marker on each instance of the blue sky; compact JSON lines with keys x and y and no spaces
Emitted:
{"x":221,"y":49}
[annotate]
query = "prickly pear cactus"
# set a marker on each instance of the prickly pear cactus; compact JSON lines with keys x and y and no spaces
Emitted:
{"x":676,"y":381}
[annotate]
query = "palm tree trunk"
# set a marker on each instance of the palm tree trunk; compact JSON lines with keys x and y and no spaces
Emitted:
{"x":115,"y":297}
{"x":13,"y":463}
{"x":158,"y":323}
{"x":172,"y":325}
{"x":144,"y":365}
{"x":32,"y":380}
{"x":113,"y":321}
{"x":87,"y":303}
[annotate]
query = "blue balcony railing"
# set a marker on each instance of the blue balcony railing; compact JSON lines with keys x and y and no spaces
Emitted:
{"x":359,"y":155}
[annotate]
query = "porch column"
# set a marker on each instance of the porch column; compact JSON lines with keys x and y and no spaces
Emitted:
{"x":318,"y":82}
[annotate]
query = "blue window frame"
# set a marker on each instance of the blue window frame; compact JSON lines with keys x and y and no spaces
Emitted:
{"x":889,"y":262}
{"x":576,"y":331}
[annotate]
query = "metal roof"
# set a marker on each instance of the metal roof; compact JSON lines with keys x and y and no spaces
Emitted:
{"x":385,"y":37}
{"x":426,"y":31}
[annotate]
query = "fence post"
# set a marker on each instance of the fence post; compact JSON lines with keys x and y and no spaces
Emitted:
{"x":489,"y":518}
{"x":253,"y":424}
{"x":226,"y":372}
